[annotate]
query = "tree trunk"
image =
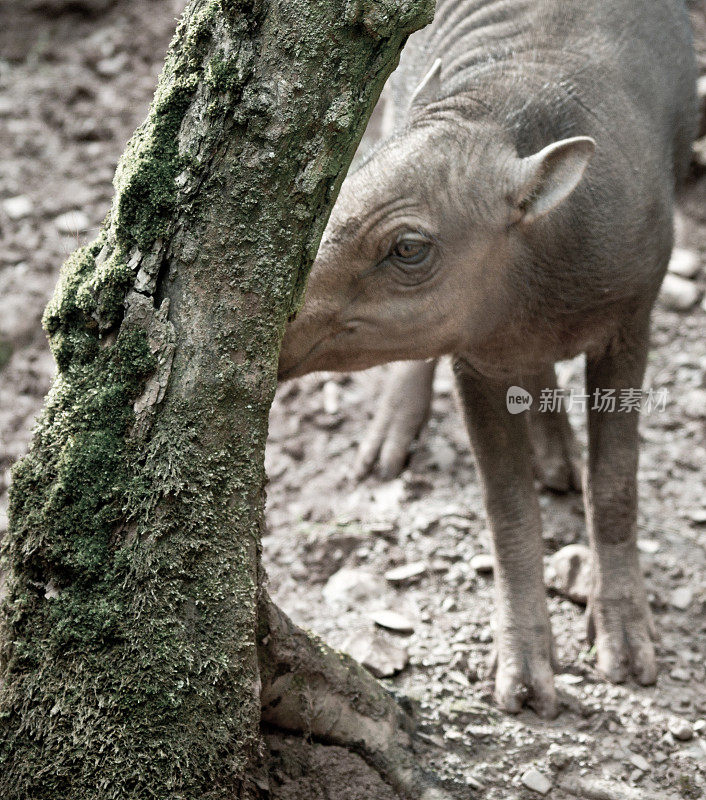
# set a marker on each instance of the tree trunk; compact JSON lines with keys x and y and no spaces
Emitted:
{"x":136,"y":636}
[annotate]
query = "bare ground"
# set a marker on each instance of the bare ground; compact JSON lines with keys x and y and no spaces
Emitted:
{"x":72,"y":89}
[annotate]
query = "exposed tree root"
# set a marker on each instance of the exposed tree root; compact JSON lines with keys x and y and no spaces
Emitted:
{"x":309,"y":688}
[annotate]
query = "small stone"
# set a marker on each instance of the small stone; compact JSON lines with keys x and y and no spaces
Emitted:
{"x":570,"y":572}
{"x":110,"y":67}
{"x":648,"y":546}
{"x":449,"y":605}
{"x":694,"y":403}
{"x":376,"y":654}
{"x":458,"y":677}
{"x":351,"y":587}
{"x":680,"y":674}
{"x":72,"y":222}
{"x":559,"y":757}
{"x":680,"y":729}
{"x":392,"y":621}
{"x":482,"y":563}
{"x":50,"y":591}
{"x":569,"y":678}
{"x":684,"y":262}
{"x":536,"y":782}
{"x":442,"y":455}
{"x":678,"y":294}
{"x":457,"y":521}
{"x":17,"y":207}
{"x":682,"y":597}
{"x":698,"y":516}
{"x":638,"y":761}
{"x":700,"y":725}
{"x":331,"y":393}
{"x":406,"y":572}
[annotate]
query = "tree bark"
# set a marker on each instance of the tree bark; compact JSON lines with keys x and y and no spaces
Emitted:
{"x":136,"y":638}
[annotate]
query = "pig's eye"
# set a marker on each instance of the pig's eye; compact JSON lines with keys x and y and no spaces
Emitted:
{"x":410,"y":252}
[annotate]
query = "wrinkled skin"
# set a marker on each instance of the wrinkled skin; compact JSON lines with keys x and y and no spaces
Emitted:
{"x":520,"y":215}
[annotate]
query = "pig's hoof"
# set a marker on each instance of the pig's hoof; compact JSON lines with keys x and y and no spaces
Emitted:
{"x":526,"y":682}
{"x":623,"y":632}
{"x":387,"y":445}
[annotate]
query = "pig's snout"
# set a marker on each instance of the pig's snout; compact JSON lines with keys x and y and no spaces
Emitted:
{"x":303,"y":338}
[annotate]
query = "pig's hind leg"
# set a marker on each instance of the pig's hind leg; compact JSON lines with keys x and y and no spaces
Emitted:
{"x":557,"y":454}
{"x":402,"y":413}
{"x":619,"y":616}
{"x":502,"y":447}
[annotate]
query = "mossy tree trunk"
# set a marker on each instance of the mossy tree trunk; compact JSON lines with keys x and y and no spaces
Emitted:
{"x":136,"y":639}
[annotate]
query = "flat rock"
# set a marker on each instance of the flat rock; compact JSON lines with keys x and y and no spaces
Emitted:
{"x":392,"y":620}
{"x":678,"y":294}
{"x":406,"y":572}
{"x":72,"y":222}
{"x":682,"y":597}
{"x":681,"y":729}
{"x":352,"y":587}
{"x":638,"y":761}
{"x":684,"y":262}
{"x":536,"y":782}
{"x":18,"y":207}
{"x":569,"y":572}
{"x":376,"y":654}
{"x":482,"y":563}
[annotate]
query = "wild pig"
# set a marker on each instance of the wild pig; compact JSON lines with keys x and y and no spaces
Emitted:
{"x":521,"y":215}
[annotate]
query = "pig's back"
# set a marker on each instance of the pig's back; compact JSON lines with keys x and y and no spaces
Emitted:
{"x":623,"y":68}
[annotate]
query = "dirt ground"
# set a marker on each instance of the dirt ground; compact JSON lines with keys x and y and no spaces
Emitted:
{"x":72,"y":88}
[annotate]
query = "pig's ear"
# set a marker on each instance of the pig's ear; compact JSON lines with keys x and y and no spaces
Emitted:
{"x":548,"y":177}
{"x":430,"y":88}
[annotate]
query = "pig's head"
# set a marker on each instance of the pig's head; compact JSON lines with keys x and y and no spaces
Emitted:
{"x":417,"y":256}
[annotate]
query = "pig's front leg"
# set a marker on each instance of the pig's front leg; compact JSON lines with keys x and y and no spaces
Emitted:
{"x":502,"y":447}
{"x":619,"y":616}
{"x":402,"y":413}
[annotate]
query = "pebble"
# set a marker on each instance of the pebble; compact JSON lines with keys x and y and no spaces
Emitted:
{"x":684,"y":262}
{"x":680,"y":674}
{"x":536,"y":782}
{"x":700,"y":725}
{"x":18,"y":207}
{"x":639,"y":761}
{"x":682,"y":597}
{"x":698,"y":516}
{"x":570,"y":572}
{"x":72,"y":222}
{"x":678,"y":294}
{"x":406,"y":572}
{"x":648,"y":546}
{"x":351,"y":587}
{"x":331,"y":393}
{"x":110,"y":67}
{"x":680,"y":729}
{"x":393,"y":621}
{"x":376,"y":654}
{"x":694,"y":403}
{"x":482,"y":563}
